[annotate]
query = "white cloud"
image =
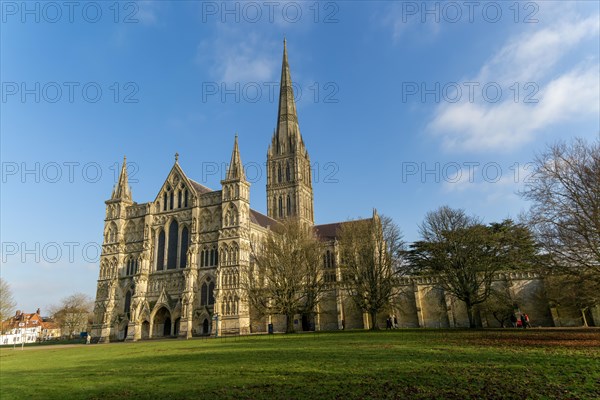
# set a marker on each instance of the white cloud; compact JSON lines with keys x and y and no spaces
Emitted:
{"x":237,"y":57}
{"x":531,"y":56}
{"x":564,"y":94}
{"x":508,"y":125}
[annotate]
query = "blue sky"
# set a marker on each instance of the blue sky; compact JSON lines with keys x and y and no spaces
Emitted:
{"x":403,"y":106}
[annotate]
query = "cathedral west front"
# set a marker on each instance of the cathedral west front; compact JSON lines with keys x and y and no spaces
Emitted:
{"x":171,"y":267}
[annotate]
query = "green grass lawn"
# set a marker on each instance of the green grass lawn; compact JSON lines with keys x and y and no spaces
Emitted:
{"x":444,"y":364}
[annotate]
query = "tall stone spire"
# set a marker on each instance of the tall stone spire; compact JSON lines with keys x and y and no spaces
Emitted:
{"x":236,"y":168}
{"x":286,"y":117}
{"x":287,"y":138}
{"x":122,"y":191}
{"x":289,"y":187}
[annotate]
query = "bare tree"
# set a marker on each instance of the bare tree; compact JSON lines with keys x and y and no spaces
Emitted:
{"x":72,"y":314}
{"x":7,"y":302}
{"x":370,"y":254}
{"x":572,"y":291}
{"x":284,"y":276}
{"x":465,"y":256}
{"x":565,"y":214}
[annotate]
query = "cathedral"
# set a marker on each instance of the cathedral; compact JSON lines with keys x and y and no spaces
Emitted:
{"x":171,"y":267}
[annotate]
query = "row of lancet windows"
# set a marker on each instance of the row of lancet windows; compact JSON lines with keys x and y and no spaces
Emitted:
{"x":209,"y":258}
{"x":168,"y":202}
{"x":131,"y":266}
{"x":288,"y":206}
{"x":177,"y":245}
{"x":111,"y":234}
{"x":288,"y":172}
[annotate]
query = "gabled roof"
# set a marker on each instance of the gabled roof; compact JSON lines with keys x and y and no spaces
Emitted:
{"x":200,"y":189}
{"x":261,"y":219}
{"x":331,"y":231}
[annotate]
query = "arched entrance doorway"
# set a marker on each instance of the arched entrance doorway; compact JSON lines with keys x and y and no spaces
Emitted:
{"x":167,"y":327}
{"x":145,"y":330}
{"x":176,"y":327}
{"x":205,"y":327}
{"x":161,"y":324}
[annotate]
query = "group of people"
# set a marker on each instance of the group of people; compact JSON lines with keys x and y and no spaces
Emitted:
{"x":391,"y":322}
{"x":520,"y":322}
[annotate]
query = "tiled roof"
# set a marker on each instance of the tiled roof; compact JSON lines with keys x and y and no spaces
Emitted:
{"x":261,"y":219}
{"x":32,"y":320}
{"x":201,"y":189}
{"x":328,"y":231}
{"x":331,"y":231}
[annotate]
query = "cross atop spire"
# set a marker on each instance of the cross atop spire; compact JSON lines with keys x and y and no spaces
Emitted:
{"x":122,"y":191}
{"x":236,"y":169}
{"x":176,"y":157}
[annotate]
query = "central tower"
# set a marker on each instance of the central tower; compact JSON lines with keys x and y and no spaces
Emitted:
{"x":289,"y":186}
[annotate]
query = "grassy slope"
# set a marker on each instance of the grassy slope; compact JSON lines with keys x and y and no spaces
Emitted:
{"x":348,"y":365}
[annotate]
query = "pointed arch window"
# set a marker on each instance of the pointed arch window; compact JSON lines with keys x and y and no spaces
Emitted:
{"x":185,"y":198}
{"x":288,"y":174}
{"x":160,"y":256}
{"x":204,"y":294}
{"x":172,"y":250}
{"x":179,"y":198}
{"x":127,"y":307}
{"x":279,"y":174}
{"x":289,"y":205}
{"x":165,"y":201}
{"x":280,"y":204}
{"x":171,"y":200}
{"x":184,"y":247}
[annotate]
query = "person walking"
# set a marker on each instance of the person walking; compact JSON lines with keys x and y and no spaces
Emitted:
{"x":523,"y":321}
{"x":513,"y":320}
{"x":527,"y":324}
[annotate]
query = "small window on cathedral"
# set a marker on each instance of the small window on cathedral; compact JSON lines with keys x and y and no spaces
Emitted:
{"x":185,"y":198}
{"x":279,"y":177}
{"x":280,"y":207}
{"x":171,"y":197}
{"x":164,"y":202}
{"x":204,"y":294}
{"x":179,"y":198}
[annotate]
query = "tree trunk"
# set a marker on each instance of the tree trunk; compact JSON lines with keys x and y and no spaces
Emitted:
{"x":289,"y":323}
{"x":585,"y":323}
{"x":374,"y":325}
{"x":470,"y":310}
